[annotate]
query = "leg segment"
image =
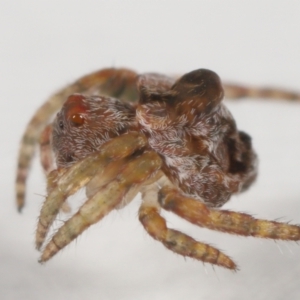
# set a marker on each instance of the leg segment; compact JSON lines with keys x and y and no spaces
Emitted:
{"x":223,"y":220}
{"x":134,"y":173}
{"x":62,"y":184}
{"x":112,"y":82}
{"x":119,"y":83}
{"x":46,"y":156}
{"x":235,"y":91}
{"x":176,"y":241}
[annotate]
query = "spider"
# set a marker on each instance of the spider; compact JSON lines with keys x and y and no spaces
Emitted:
{"x":118,"y":134}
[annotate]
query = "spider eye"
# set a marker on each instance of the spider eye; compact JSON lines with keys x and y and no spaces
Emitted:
{"x":69,"y":157}
{"x":77,"y":119}
{"x":61,"y":125}
{"x":75,"y":109}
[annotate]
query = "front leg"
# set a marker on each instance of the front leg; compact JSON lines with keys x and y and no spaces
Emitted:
{"x":174,"y":240}
{"x":131,"y":175}
{"x":46,"y":155}
{"x":113,"y":82}
{"x":63,"y":183}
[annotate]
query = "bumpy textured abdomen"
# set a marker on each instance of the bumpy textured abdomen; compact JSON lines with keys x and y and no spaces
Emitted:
{"x":203,"y":152}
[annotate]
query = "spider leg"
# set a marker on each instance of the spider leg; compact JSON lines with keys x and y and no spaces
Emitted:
{"x":46,"y":156}
{"x":223,"y":220}
{"x":111,"y":82}
{"x":176,"y":241}
{"x":47,"y":161}
{"x":134,"y":173}
{"x":236,"y":91}
{"x":112,"y":171}
{"x":63,"y":183}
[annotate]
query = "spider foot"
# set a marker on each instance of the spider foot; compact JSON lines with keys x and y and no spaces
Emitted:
{"x":179,"y":242}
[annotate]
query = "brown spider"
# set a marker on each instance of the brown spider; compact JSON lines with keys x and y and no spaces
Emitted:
{"x":173,"y":141}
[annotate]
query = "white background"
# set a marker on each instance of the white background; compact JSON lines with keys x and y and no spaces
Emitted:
{"x":47,"y":44}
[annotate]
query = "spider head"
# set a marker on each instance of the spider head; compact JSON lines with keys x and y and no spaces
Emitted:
{"x":84,"y":123}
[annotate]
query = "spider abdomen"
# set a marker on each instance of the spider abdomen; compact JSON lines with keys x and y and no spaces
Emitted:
{"x":203,"y":152}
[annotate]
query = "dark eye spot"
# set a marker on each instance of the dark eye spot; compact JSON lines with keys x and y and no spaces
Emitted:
{"x":61,"y":125}
{"x":70,"y":157}
{"x":159,"y":112}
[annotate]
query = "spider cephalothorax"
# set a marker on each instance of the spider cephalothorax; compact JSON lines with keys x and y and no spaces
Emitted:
{"x":84,"y":124}
{"x":173,"y":141}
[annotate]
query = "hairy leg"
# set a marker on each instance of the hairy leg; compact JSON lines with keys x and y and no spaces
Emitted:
{"x":119,"y":83}
{"x":134,"y":173}
{"x":63,"y":183}
{"x":236,"y":91}
{"x":223,"y":220}
{"x":46,"y":156}
{"x":176,"y":241}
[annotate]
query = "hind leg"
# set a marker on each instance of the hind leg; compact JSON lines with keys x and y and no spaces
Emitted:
{"x":224,"y":220}
{"x":174,"y":240}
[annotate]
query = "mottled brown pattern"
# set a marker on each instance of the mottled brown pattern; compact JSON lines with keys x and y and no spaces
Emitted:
{"x":101,"y":119}
{"x":105,"y":82}
{"x":203,"y":152}
{"x":174,"y":141}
